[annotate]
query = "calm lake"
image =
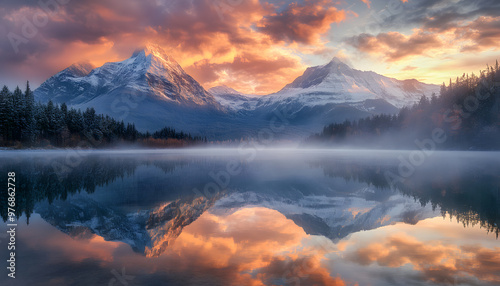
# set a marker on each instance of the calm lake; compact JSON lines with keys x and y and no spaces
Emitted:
{"x":253,"y":217}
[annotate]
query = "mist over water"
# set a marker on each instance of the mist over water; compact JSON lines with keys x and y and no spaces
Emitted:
{"x":243,"y":216}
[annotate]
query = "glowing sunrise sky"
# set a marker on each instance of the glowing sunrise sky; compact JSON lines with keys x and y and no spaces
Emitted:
{"x":253,"y":46}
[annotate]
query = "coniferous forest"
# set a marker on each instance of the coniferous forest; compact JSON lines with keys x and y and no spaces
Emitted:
{"x":465,"y":116}
{"x":25,"y":123}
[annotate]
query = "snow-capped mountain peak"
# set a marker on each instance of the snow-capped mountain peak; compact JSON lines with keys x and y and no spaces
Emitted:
{"x":314,"y":76}
{"x":337,"y":63}
{"x":336,"y":82}
{"x":150,"y":70}
{"x":79,"y":69}
{"x":156,"y":60}
{"x":152,"y":90}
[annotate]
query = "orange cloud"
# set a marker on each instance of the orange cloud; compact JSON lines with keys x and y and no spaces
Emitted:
{"x":437,"y":261}
{"x":250,"y":72}
{"x":252,"y":246}
{"x":409,"y":68}
{"x":77,"y":249}
{"x":251,"y":240}
{"x":482,"y":34}
{"x":215,"y":40}
{"x":395,"y":46}
{"x":302,"y":23}
{"x":368,"y":3}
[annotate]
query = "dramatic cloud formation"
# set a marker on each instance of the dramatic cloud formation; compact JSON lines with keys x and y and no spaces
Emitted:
{"x":255,"y":46}
{"x":396,"y":46}
{"x":437,"y":37}
{"x":240,"y":43}
{"x":302,"y":23}
{"x":252,"y":246}
{"x":438,"y":263}
{"x":251,"y":240}
{"x":483,"y":33}
{"x":260,"y":246}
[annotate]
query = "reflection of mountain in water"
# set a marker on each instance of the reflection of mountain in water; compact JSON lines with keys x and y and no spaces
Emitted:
{"x":165,"y":224}
{"x":147,"y":231}
{"x":469,"y":192}
{"x":334,"y":217}
{"x":147,"y":201}
{"x":51,"y":179}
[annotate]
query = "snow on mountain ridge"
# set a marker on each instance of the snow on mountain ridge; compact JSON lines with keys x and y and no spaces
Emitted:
{"x":223,"y":89}
{"x":336,"y":82}
{"x":152,"y":90}
{"x":149,"y":70}
{"x":80,"y":69}
{"x":233,"y":99}
{"x":333,"y":217}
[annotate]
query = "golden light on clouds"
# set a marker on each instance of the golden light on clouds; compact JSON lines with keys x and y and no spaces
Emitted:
{"x":258,"y":246}
{"x":257,"y":46}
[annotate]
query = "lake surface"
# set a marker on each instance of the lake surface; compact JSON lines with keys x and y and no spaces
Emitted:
{"x":253,"y":217}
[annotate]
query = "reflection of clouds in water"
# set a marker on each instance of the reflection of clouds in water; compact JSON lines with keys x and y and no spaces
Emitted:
{"x":256,"y":246}
{"x":259,"y":246}
{"x":434,"y":250}
{"x":252,"y":246}
{"x":447,"y":181}
{"x":437,"y":262}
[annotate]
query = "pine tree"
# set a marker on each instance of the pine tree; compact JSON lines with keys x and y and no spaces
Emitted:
{"x":442,"y":92}
{"x":4,"y":112}
{"x":28,"y":128}
{"x":16,"y":119}
{"x":434,"y":99}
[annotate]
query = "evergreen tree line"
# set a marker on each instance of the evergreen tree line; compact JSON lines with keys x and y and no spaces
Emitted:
{"x":25,"y":123}
{"x":467,"y":110}
{"x":170,"y":133}
{"x":462,"y":200}
{"x":52,"y":180}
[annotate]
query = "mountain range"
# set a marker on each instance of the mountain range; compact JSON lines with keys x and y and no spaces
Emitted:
{"x":151,"y":90}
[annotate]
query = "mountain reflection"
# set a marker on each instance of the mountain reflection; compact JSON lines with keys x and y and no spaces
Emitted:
{"x":467,"y":189}
{"x":147,"y":200}
{"x":260,"y":246}
{"x":57,"y":176}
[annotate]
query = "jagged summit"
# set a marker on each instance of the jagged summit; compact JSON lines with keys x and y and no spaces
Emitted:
{"x":149,"y":70}
{"x":79,"y":69}
{"x":156,"y":58}
{"x":150,"y":89}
